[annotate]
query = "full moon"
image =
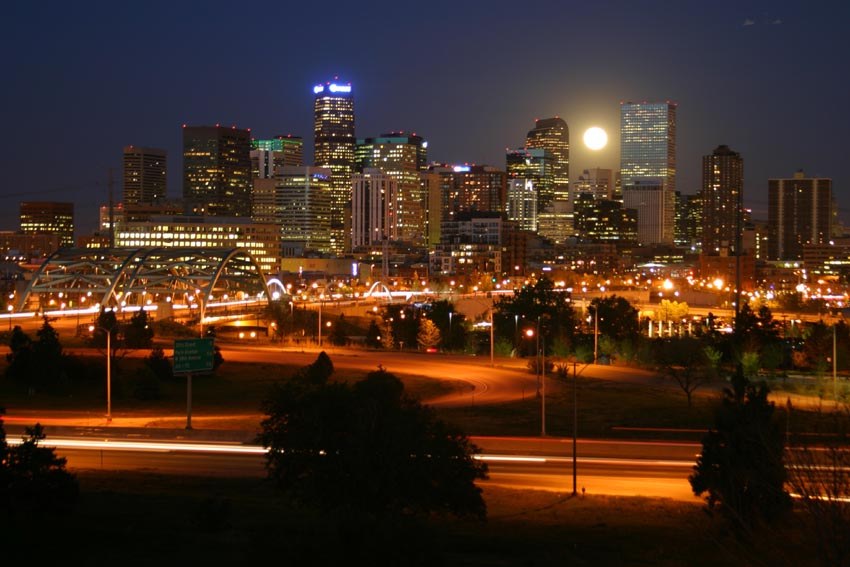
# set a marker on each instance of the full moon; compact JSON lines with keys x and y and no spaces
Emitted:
{"x":595,"y":138}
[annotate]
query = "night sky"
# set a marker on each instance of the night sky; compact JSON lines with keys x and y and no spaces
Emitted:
{"x":83,"y":79}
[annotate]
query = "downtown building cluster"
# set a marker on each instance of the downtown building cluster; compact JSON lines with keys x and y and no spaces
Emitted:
{"x":378,"y":199}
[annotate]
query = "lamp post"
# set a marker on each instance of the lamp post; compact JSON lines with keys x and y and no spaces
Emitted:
{"x":492,"y":351}
{"x":320,"y":324}
{"x":450,"y":328}
{"x":92,"y":329}
{"x":596,"y":335}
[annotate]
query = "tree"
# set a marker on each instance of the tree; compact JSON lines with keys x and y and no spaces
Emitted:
{"x":429,"y":334}
{"x":532,"y":302}
{"x":47,"y":354}
{"x":373,"y":335}
{"x":618,"y":319}
{"x":33,"y":480}
{"x":820,"y":474}
{"x":367,"y":449}
{"x":688,"y":363}
{"x":339,"y":336}
{"x":139,"y":333}
{"x":21,"y":358}
{"x":159,"y":364}
{"x":387,"y":339}
{"x":106,"y":322}
{"x":741,"y":465}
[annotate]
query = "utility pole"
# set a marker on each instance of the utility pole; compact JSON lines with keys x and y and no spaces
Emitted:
{"x":110,"y":185}
{"x":575,"y":430}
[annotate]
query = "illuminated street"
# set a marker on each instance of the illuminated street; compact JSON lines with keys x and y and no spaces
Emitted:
{"x":605,"y":467}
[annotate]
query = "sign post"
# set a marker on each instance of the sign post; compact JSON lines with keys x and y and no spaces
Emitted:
{"x":190,"y":356}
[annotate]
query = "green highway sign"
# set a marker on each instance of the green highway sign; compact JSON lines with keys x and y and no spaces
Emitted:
{"x":193,"y":355}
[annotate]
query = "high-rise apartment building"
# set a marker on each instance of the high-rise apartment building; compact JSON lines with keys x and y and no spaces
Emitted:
{"x":722,"y":200}
{"x":144,"y":174}
{"x":48,"y":217}
{"x":553,"y":134}
{"x":217,"y":170}
{"x":648,"y":142}
{"x":536,"y":165}
{"x":800,"y":212}
{"x":333,"y":128}
{"x":402,"y":157}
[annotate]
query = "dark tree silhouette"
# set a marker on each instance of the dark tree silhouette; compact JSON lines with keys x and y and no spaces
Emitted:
{"x":618,"y":319}
{"x":33,"y":480}
{"x":139,"y":333}
{"x":367,"y":448}
{"x":741,"y":466}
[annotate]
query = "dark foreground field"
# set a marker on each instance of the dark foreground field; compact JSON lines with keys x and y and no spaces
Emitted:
{"x":139,"y":519}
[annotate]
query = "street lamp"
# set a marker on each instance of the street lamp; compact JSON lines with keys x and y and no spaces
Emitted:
{"x":450,"y":327}
{"x":92,"y":329}
{"x":596,"y":335}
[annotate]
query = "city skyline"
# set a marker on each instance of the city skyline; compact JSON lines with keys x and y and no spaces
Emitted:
{"x":761,"y":58}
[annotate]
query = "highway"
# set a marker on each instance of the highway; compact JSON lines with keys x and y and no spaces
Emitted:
{"x":633,"y":468}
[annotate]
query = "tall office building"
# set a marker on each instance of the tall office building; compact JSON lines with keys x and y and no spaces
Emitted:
{"x":604,"y":220}
{"x":403,"y":157}
{"x":269,"y":155}
{"x":333,"y":113}
{"x":470,"y":188}
{"x":217,"y":170}
{"x":722,"y":200}
{"x":553,"y":134}
{"x":144,"y":174}
{"x":656,"y":210}
{"x":298,"y":200}
{"x":597,"y":182}
{"x":648,"y":142}
{"x":799,"y":212}
{"x":688,"y":232}
{"x":290,"y":148}
{"x":48,"y":217}
{"x":536,"y":165}
{"x":522,"y":203}
{"x":374,"y":208}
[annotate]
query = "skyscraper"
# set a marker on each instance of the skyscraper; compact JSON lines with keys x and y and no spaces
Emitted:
{"x":333,"y":124}
{"x":536,"y":165}
{"x":374,"y":208}
{"x":402,"y":157}
{"x":722,"y":194}
{"x":217,"y":170}
{"x":522,"y":203}
{"x":470,"y":188}
{"x":648,"y":142}
{"x":144,"y":174}
{"x":597,"y":182}
{"x":799,"y":212}
{"x":553,"y":134}
{"x":656,"y":210}
{"x":49,"y":217}
{"x":298,"y":200}
{"x":280,"y":151}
